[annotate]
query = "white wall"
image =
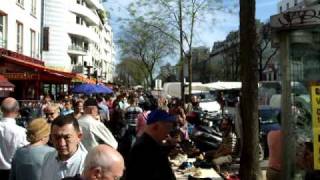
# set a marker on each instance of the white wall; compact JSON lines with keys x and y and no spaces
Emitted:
{"x":56,"y":17}
{"x":23,"y":15}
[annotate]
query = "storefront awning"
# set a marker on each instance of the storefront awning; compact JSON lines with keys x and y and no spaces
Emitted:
{"x":39,"y":71}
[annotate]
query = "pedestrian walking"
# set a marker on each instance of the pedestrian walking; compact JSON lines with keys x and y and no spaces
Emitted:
{"x":68,"y":158}
{"x":147,"y":159}
{"x":12,"y":136}
{"x":94,"y":131}
{"x":28,"y":160}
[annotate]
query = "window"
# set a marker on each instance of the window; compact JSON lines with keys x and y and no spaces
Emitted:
{"x":288,"y":6}
{"x":3,"y":28}
{"x":20,"y":3}
{"x":33,"y":7}
{"x":45,"y":43}
{"x":79,"y":20}
{"x":32,"y":43}
{"x":19,"y":37}
{"x":280,"y":9}
{"x":74,"y":60}
{"x":295,"y":2}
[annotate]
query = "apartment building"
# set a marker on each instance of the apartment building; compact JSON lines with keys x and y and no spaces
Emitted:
{"x":20,"y":26}
{"x":78,"y":38}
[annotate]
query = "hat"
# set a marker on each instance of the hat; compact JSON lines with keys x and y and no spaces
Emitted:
{"x":37,"y":129}
{"x":90,"y":102}
{"x":160,"y":115}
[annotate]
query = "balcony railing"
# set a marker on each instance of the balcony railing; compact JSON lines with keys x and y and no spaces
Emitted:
{"x":78,"y":69}
{"x":77,"y":48}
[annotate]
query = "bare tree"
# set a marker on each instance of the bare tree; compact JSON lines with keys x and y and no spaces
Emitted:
{"x":264,"y":50}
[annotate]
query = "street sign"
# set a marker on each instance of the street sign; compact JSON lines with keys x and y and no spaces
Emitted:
{"x":315,"y":100}
{"x":296,"y":19}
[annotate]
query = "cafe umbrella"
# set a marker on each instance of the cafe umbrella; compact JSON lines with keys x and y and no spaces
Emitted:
{"x":91,"y":89}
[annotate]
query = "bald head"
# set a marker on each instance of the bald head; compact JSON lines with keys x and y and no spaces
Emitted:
{"x":103,"y":161}
{"x":10,"y":107}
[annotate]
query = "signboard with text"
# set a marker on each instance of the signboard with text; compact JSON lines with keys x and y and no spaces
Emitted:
{"x":315,"y":99}
{"x":21,"y":76}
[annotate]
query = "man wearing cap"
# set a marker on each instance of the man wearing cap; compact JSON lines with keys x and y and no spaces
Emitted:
{"x":147,"y":159}
{"x":28,"y":160}
{"x":12,"y":136}
{"x":94,"y":131}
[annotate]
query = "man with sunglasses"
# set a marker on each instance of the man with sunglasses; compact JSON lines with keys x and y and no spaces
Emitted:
{"x":68,"y":159}
{"x":51,"y":112}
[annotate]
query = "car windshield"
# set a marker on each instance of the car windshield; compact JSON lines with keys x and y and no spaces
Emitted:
{"x":206,"y":97}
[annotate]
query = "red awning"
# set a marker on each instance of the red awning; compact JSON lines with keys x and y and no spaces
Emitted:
{"x":40,"y":68}
{"x":46,"y":73}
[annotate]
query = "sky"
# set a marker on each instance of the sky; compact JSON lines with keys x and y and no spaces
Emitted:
{"x":206,"y":35}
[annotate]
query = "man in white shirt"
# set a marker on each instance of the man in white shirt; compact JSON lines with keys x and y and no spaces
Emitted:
{"x":12,"y":136}
{"x":94,"y":131}
{"x":68,"y":159}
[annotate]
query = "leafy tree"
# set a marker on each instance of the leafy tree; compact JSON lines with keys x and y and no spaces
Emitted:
{"x":131,"y":72}
{"x":145,"y":44}
{"x":249,"y":163}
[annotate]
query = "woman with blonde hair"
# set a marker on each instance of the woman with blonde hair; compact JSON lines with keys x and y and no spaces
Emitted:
{"x":28,"y":160}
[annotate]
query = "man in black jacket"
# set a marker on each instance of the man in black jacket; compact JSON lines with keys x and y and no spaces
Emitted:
{"x":148,"y":160}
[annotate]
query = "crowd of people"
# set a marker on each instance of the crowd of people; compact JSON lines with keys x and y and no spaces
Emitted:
{"x":126,"y":136}
{"x":95,"y":137}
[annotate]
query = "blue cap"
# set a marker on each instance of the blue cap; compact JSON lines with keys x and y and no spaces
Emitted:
{"x":160,"y":115}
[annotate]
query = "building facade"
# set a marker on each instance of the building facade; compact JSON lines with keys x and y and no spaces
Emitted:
{"x":285,"y":5}
{"x":20,"y":26}
{"x":77,"y":38}
{"x":46,"y":45}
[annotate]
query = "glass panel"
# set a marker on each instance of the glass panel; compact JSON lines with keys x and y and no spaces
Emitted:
{"x":305,"y":68}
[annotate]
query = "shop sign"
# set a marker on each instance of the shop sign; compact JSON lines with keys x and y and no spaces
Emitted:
{"x":21,"y":76}
{"x":297,"y":18}
{"x":315,"y":100}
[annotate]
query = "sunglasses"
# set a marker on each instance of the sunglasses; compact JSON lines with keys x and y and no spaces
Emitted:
{"x":49,"y":114}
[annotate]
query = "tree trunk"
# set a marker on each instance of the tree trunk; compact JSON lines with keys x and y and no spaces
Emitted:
{"x":151,"y":80}
{"x":249,"y":163}
{"x":190,"y":73}
{"x":181,"y":52}
{"x":260,"y":67}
